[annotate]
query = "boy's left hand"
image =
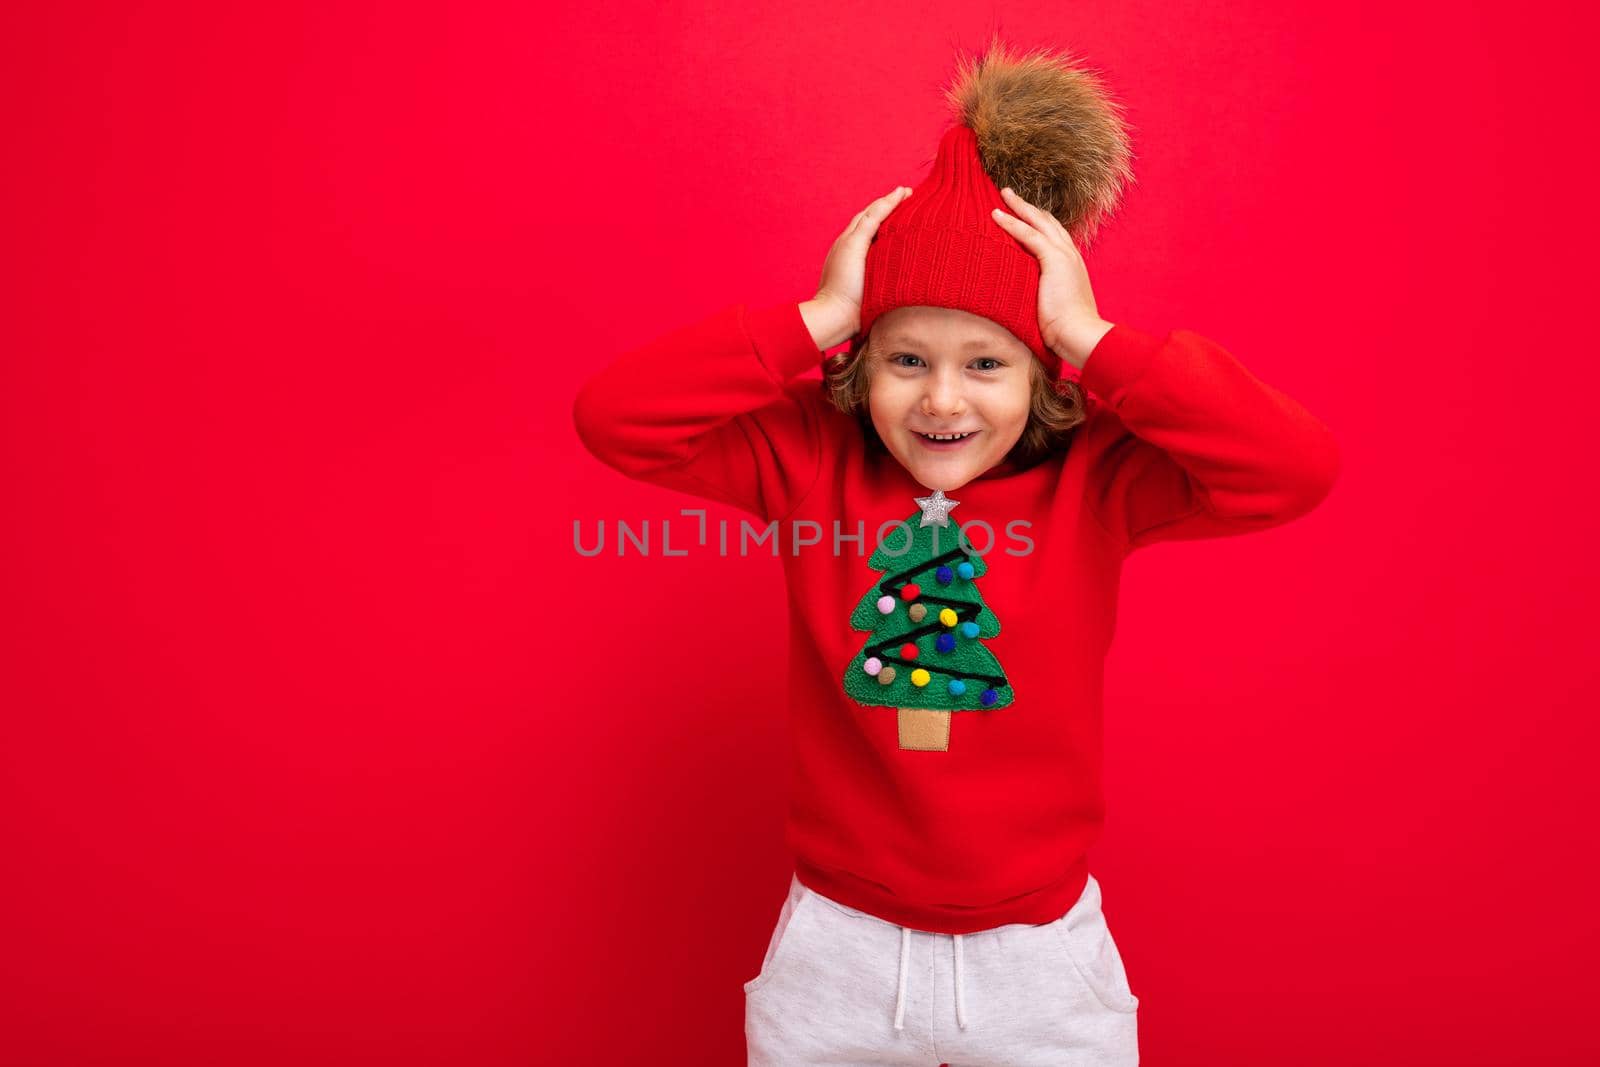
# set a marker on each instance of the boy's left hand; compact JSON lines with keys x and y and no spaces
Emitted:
{"x":1069,"y":322}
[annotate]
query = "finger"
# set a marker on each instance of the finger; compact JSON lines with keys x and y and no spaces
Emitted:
{"x":880,"y":209}
{"x":891,"y":195}
{"x":1041,"y":218}
{"x":1023,"y":206}
{"x":1030,"y":237}
{"x":887,"y":202}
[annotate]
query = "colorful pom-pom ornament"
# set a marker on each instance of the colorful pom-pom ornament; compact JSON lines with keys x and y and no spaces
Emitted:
{"x":946,"y":642}
{"x":948,"y":616}
{"x":886,"y":676}
{"x":944,"y":574}
{"x":919,"y":677}
{"x":910,"y":591}
{"x":873,"y":665}
{"x":885,"y":605}
{"x":908,"y":651}
{"x":969,"y":629}
{"x":957,"y":687}
{"x":989,"y":697}
{"x":964,"y":569}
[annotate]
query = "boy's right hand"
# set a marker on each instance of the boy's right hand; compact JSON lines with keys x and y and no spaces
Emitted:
{"x":834,"y":314}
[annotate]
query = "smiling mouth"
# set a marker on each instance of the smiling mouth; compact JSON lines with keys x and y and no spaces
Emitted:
{"x":953,"y":442}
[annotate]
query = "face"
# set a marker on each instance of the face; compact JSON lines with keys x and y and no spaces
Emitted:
{"x":940,"y":371}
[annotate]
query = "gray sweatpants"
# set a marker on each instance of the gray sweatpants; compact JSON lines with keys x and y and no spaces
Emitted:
{"x":841,"y":987}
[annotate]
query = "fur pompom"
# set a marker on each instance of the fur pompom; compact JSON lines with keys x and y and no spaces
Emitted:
{"x":1047,"y":128}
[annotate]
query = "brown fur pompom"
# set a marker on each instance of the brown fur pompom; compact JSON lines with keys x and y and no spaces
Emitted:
{"x":1047,"y":128}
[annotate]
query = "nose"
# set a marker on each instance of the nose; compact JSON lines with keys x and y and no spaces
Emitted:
{"x":942,"y":397}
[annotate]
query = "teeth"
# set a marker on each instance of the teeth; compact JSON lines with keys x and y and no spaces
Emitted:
{"x":948,"y":436}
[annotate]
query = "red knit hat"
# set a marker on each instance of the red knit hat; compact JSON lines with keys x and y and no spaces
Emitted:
{"x":1037,"y":123}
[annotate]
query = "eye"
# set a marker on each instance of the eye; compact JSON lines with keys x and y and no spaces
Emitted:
{"x":992,"y":363}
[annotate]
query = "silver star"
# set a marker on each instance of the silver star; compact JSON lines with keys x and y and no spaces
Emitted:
{"x":936,"y":508}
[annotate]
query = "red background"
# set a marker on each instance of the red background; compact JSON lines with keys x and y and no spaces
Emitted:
{"x":323,"y":745}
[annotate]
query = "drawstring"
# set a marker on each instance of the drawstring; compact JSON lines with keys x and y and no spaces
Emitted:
{"x":905,"y":965}
{"x":961,"y":1006}
{"x":905,"y":962}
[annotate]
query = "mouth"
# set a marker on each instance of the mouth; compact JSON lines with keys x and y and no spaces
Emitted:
{"x":944,"y":442}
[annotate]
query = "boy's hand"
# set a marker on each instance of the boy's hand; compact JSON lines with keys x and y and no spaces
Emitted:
{"x":1068,"y":320}
{"x":834,"y":314}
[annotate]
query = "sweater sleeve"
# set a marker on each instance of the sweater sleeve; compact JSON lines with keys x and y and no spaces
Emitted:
{"x":709,"y":409}
{"x":1199,"y":447}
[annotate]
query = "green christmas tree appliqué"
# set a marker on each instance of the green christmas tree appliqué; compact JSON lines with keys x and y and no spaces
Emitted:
{"x":926,"y":657}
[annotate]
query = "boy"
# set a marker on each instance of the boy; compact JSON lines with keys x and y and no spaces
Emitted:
{"x":946,"y":764}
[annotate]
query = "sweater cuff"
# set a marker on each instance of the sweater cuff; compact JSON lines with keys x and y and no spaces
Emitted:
{"x":783,"y":343}
{"x":1122,"y":355}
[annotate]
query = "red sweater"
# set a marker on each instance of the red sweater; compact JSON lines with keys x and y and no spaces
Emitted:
{"x":1180,"y":442}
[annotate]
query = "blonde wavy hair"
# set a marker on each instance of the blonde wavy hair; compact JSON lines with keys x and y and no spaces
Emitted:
{"x":1055,"y":408}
